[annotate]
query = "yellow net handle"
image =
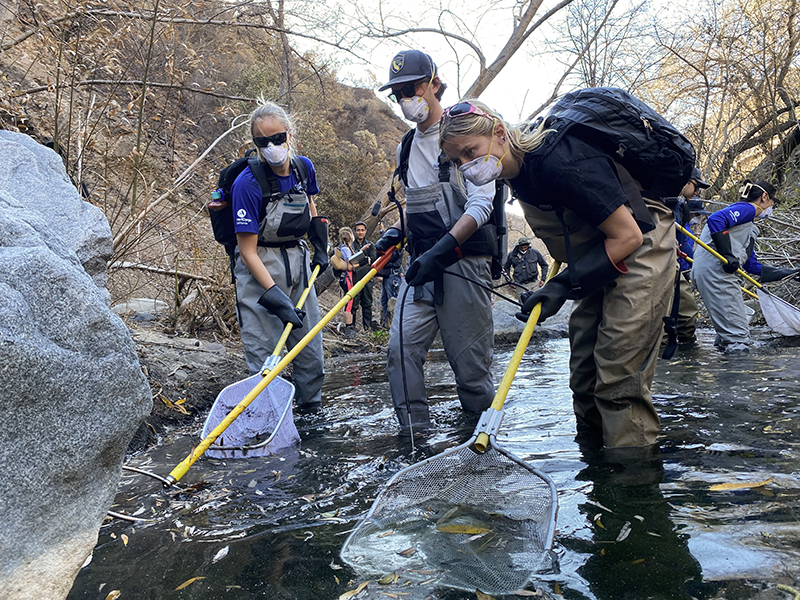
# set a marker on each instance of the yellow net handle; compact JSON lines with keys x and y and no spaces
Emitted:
{"x":508,"y":377}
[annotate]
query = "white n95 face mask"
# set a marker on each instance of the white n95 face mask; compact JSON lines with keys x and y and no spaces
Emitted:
{"x":482,"y":170}
{"x":765,"y":214}
{"x":275,"y":155}
{"x":415,"y":109}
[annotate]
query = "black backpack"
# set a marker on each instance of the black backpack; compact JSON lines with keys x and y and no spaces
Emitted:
{"x":220,"y":209}
{"x":648,"y":146}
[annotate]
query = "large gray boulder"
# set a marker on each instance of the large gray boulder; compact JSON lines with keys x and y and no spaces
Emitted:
{"x":72,"y":392}
{"x":34,"y":180}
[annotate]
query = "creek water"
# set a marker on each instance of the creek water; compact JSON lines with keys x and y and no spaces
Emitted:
{"x":634,"y":525}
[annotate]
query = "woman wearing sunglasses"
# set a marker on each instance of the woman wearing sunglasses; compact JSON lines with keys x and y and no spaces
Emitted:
{"x":272,"y":211}
{"x":621,"y":278}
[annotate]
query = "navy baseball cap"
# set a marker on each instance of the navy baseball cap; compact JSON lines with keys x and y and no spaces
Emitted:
{"x":697,"y":177}
{"x":409,"y":65}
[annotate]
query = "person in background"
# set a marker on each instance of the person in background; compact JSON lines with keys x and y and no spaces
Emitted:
{"x":391,"y":276}
{"x":364,"y":297}
{"x":732,"y":232}
{"x":342,"y":265}
{"x":622,"y":279}
{"x":687,"y":305}
{"x":445,"y":228}
{"x":528,"y":264}
{"x":272,"y":261}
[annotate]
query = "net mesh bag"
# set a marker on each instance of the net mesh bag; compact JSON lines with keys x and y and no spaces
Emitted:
{"x":269,"y":415}
{"x":466,"y":520}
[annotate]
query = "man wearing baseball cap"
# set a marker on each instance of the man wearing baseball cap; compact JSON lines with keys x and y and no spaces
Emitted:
{"x":687,"y":308}
{"x":446,"y":232}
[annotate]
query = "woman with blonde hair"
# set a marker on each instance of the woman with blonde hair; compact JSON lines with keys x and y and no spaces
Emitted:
{"x":341,"y":262}
{"x":620,"y":277}
{"x":273,"y":208}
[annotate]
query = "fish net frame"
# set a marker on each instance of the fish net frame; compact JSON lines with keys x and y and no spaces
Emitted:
{"x":494,"y":482}
{"x":264,"y":427}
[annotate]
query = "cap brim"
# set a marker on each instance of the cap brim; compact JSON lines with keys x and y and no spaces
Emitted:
{"x":401,"y":79}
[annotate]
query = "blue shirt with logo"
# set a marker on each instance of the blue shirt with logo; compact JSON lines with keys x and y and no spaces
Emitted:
{"x":731,"y":216}
{"x":246,"y":197}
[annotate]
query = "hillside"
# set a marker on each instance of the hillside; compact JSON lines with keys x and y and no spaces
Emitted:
{"x":146,"y":111}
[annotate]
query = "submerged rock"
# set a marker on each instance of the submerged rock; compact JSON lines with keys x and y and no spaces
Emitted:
{"x":71,"y":389}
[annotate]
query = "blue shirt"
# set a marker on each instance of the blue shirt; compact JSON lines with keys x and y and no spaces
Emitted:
{"x":731,"y":216}
{"x":246,"y":197}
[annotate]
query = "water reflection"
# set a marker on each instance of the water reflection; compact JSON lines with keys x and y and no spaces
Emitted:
{"x":283,"y":519}
{"x":636,"y":551}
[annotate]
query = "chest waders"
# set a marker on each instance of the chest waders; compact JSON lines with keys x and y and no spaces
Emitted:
{"x":432,"y":211}
{"x":287,"y":217}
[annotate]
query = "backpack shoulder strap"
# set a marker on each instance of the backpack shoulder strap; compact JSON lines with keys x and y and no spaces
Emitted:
{"x":405,"y":152}
{"x":300,"y":171}
{"x":268,"y":182}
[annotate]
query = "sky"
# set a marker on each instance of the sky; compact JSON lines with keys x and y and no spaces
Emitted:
{"x":522,"y":86}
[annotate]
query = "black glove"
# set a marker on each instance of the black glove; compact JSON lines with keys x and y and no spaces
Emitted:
{"x":769,"y":274}
{"x":318,"y":236}
{"x":594,"y":270}
{"x":278,"y":303}
{"x":389,"y":240}
{"x":686,"y":214}
{"x":426,"y":267}
{"x":722,"y":242}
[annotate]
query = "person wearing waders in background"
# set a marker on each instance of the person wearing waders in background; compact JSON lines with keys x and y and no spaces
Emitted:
{"x":625,"y":278}
{"x":687,"y":305}
{"x":445,"y":231}
{"x":272,"y":259}
{"x":732,"y":232}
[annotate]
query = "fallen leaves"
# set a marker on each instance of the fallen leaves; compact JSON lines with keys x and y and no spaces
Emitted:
{"x":353,"y":593}
{"x":220,"y":555}
{"x":468,"y":529}
{"x":720,"y":487}
{"x":188,"y":582}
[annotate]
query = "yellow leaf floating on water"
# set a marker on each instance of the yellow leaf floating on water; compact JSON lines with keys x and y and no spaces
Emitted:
{"x":113,"y":595}
{"x":188,"y":582}
{"x":739,"y":486}
{"x":468,"y":529}
{"x":407,"y":552}
{"x":354,"y":592}
{"x":386,"y":579}
{"x":124,"y":539}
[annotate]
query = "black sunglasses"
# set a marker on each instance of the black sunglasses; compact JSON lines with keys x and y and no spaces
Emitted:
{"x":409,"y":90}
{"x":276,"y":140}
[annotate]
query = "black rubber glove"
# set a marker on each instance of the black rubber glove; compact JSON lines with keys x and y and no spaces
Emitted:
{"x":278,"y":303}
{"x":769,"y":274}
{"x":389,"y":240}
{"x":594,"y":270}
{"x":686,"y":215}
{"x":722,"y":243}
{"x":433,"y":262}
{"x":318,"y":236}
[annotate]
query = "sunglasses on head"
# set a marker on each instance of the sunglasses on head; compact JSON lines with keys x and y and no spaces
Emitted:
{"x":275,"y":140}
{"x":409,"y":90}
{"x":465,"y":108}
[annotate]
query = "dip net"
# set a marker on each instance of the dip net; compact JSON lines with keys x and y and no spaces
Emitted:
{"x":460,"y":519}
